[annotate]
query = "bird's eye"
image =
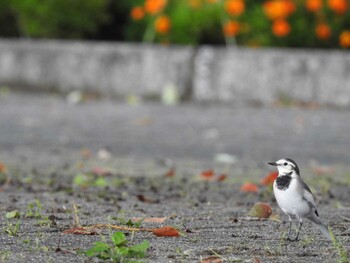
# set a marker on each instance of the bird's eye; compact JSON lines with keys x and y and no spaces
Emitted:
{"x":285,"y":164}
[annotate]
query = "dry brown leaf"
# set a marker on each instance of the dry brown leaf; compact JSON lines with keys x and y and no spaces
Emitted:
{"x":171,"y":172}
{"x":166,"y":231}
{"x":269,"y":179}
{"x":207,"y":174}
{"x":221,"y":177}
{"x":80,"y":231}
{"x":3,"y":168}
{"x":100,"y":171}
{"x":144,"y":199}
{"x":212,"y":259}
{"x":249,"y":187}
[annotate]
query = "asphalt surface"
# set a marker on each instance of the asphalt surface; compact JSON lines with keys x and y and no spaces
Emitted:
{"x":47,"y":143}
{"x":38,"y":127}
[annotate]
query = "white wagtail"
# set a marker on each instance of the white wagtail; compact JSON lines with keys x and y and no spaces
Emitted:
{"x":294,"y":197}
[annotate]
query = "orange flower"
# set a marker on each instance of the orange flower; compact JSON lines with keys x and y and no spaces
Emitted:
{"x":280,"y":28}
{"x":344,"y":39}
{"x":278,"y":9}
{"x":338,"y":6}
{"x":137,"y":13}
{"x":249,"y":187}
{"x":234,"y":7}
{"x":154,"y":6}
{"x":162,"y":24}
{"x":195,"y":3}
{"x":290,"y":6}
{"x":313,"y":5}
{"x":323,"y":31}
{"x":231,"y":28}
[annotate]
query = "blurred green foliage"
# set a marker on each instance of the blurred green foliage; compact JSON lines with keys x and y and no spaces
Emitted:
{"x":184,"y":21}
{"x":55,"y":18}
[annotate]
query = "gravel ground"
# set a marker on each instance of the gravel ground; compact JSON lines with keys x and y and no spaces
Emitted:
{"x":111,"y":160}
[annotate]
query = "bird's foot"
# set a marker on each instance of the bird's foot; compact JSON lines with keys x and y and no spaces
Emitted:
{"x":293,"y":240}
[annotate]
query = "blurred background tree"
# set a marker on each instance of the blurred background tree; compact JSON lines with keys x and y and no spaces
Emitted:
{"x":52,"y":19}
{"x":284,"y":23}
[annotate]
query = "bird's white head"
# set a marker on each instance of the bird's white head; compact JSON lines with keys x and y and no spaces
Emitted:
{"x":286,"y":166}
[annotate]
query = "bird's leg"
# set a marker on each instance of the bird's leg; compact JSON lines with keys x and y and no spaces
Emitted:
{"x":290,"y":227}
{"x":299,"y":228}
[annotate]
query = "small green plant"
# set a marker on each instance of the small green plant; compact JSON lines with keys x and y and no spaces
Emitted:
{"x":34,"y":209}
{"x":129,"y":222}
{"x":343,"y":255}
{"x":45,"y":221}
{"x":12,"y":229}
{"x":89,"y":180}
{"x":12,"y":214}
{"x":118,"y":251}
{"x":5,"y":254}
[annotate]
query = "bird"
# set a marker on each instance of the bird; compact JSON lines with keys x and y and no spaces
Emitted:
{"x":294,"y":197}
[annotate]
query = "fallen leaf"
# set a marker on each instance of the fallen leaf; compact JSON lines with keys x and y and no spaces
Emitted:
{"x":166,"y":231}
{"x":251,"y":218}
{"x":3,"y":168}
{"x":80,"y":231}
{"x":144,"y":199}
{"x":249,"y":187}
{"x":170,"y":173}
{"x":269,"y":179}
{"x":211,"y":259}
{"x":221,"y":177}
{"x":260,"y":210}
{"x":207,"y":174}
{"x":149,"y":219}
{"x":256,"y":260}
{"x":86,"y":153}
{"x":99,"y":171}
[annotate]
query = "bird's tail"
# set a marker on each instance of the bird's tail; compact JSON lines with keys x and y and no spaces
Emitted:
{"x":321,"y":226}
{"x":324,"y":230}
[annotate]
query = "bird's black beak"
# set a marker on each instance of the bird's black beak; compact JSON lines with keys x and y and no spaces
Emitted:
{"x":273,"y":163}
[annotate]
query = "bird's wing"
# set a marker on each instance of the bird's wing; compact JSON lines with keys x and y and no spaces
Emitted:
{"x":308,"y":196}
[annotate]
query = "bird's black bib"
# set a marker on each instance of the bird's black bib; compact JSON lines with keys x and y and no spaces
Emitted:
{"x":283,"y":181}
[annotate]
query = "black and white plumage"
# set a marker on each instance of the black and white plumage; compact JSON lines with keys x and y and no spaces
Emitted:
{"x":294,"y":197}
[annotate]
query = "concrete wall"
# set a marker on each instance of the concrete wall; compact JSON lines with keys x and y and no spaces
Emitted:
{"x":203,"y":74}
